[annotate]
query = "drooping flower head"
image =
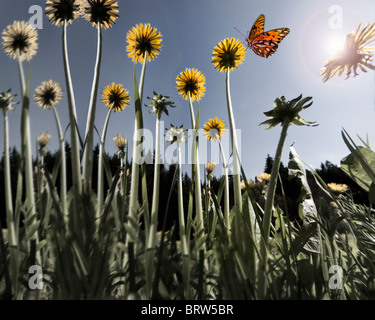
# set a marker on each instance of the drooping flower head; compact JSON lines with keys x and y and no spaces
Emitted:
{"x":59,"y":11}
{"x":228,"y":54}
{"x":191,"y":84}
{"x":143,"y":39}
{"x":19,"y":40}
{"x":115,"y":97}
{"x":214,"y":129}
{"x":159,"y":104}
{"x":6,"y":101}
{"x":176,"y":134}
{"x":355,"y":54}
{"x":48,"y":94}
{"x":103,"y":12}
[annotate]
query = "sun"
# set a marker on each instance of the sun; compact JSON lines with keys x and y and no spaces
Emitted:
{"x":335,"y":44}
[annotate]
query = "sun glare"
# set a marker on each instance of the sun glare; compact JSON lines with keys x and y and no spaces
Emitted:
{"x":335,"y":44}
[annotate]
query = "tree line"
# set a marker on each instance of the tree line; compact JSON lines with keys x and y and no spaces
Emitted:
{"x":328,"y":171}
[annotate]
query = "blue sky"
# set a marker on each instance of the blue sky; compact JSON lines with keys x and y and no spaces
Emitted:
{"x":190,"y":31}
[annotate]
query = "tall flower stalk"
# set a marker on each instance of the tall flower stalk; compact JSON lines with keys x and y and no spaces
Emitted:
{"x":6,"y":102}
{"x":190,"y":85}
{"x":74,"y":134}
{"x":229,"y":55}
{"x":285,"y":113}
{"x":159,"y":106}
{"x":48,"y":96}
{"x":214,"y":130}
{"x":144,"y":44}
{"x":116,"y":98}
{"x":62,"y":13}
{"x":102,"y":14}
{"x":19,"y":42}
{"x":177,"y":135}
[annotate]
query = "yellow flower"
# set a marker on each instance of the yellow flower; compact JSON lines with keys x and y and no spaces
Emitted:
{"x":143,"y":39}
{"x":210,"y":166}
{"x":338,"y":188}
{"x":266,"y":177}
{"x":103,"y":12}
{"x":214,"y":129}
{"x":228,"y":54}
{"x":48,"y":94}
{"x":120,"y":142}
{"x":115,"y":97}
{"x":43,"y":140}
{"x":190,"y":84}
{"x":354,"y":55}
{"x":59,"y":11}
{"x":19,"y":40}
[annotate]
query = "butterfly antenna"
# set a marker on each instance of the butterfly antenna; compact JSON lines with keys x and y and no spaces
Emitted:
{"x":240,"y":32}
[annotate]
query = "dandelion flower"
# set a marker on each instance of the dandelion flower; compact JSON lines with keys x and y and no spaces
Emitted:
{"x":354,"y":55}
{"x":228,"y":54}
{"x":214,"y":129}
{"x":191,"y":84}
{"x":210,"y":166}
{"x":59,"y":11}
{"x":48,"y":94}
{"x":338,"y":188}
{"x":143,"y":39}
{"x":266,"y":177}
{"x":103,"y":12}
{"x":6,"y":101}
{"x":288,"y":112}
{"x":120,"y":142}
{"x":176,"y":134}
{"x":19,"y":40}
{"x":43,"y":140}
{"x":159,"y":104}
{"x":115,"y":97}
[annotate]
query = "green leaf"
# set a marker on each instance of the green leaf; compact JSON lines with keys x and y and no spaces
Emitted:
{"x":372,"y":193}
{"x":297,"y":170}
{"x":352,"y":166}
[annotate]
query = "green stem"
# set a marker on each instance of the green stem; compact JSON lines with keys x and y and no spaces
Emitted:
{"x":89,"y":142}
{"x":151,"y":243}
{"x":26,"y":147}
{"x":12,"y":239}
{"x":155,"y":194}
{"x":266,"y":225}
{"x":63,"y":164}
{"x":183,"y":236}
{"x":226,"y":190}
{"x":76,"y":163}
{"x":138,"y":126}
{"x":100,"y":167}
{"x":195,"y":161}
{"x":236,"y":160}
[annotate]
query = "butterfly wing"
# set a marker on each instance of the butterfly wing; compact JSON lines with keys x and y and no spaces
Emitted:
{"x":266,"y":44}
{"x":256,"y":29}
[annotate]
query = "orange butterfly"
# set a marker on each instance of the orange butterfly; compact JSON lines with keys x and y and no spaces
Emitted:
{"x":264,"y":44}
